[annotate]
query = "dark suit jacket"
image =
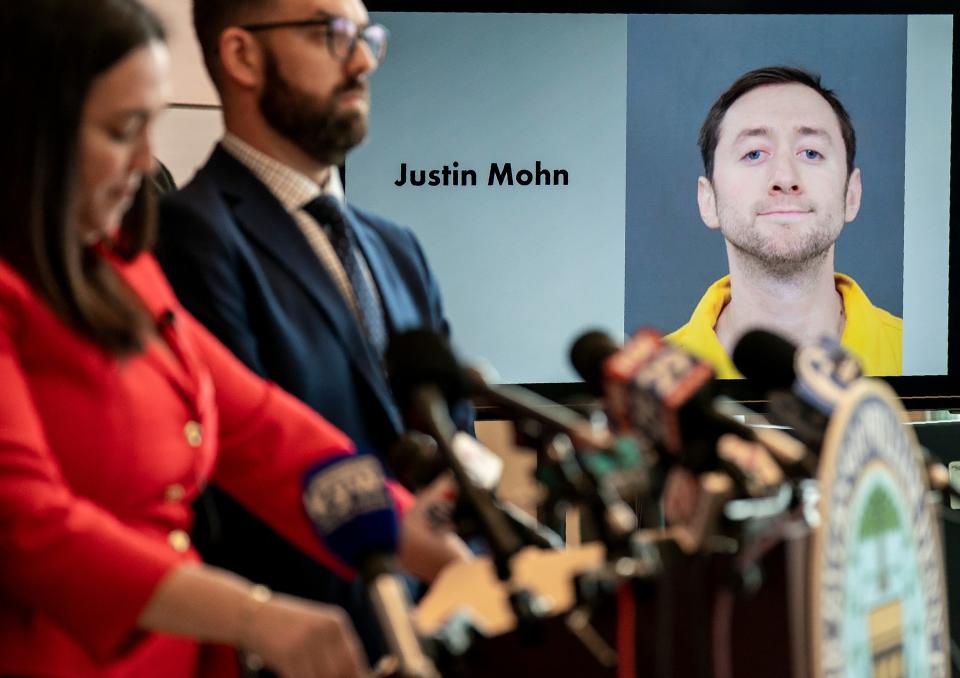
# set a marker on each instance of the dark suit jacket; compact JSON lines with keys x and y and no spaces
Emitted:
{"x":239,"y":262}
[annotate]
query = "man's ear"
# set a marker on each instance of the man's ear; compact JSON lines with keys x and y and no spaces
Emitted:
{"x":707,"y":201}
{"x":852,"y":201}
{"x":241,"y":57}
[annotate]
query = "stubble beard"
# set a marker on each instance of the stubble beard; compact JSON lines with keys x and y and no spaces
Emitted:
{"x":802,"y":254}
{"x":312,"y":123}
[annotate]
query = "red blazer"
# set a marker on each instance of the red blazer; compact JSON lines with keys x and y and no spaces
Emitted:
{"x":99,"y":461}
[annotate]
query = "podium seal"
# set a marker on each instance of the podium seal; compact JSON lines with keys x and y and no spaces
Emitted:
{"x":878,"y":594}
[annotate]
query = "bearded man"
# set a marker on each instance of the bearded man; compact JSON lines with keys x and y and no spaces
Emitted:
{"x":780,"y":182}
{"x":262,"y":248}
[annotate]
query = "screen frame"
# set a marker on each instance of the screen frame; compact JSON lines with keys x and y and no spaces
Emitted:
{"x":920,"y":392}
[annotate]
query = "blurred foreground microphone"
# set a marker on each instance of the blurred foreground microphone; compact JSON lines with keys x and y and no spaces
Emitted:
{"x":426,"y":380}
{"x":416,"y":461}
{"x":803,"y":384}
{"x":352,"y":510}
{"x":527,"y":404}
{"x":663,"y":393}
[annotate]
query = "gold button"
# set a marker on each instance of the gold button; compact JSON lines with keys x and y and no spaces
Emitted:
{"x":174,"y":492}
{"x":193,"y":432}
{"x":179,"y":540}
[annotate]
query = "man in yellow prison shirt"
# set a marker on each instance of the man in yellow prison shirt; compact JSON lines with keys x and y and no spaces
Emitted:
{"x":780,"y":184}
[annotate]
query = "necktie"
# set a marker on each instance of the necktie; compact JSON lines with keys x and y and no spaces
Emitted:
{"x":329,"y":214}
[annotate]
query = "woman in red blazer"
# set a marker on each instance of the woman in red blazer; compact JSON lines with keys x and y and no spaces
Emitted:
{"x":116,"y":407}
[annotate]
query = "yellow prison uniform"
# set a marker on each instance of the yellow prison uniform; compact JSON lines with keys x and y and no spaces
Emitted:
{"x":872,"y":334}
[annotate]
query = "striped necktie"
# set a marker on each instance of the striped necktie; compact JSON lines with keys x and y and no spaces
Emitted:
{"x":328,"y":212}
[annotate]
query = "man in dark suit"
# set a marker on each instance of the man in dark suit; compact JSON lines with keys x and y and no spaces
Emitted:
{"x":262,"y":248}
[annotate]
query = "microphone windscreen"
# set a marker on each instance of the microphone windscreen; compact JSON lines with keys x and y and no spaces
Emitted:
{"x":588,"y":354}
{"x":766,"y":358}
{"x":351,"y":508}
{"x":422,"y":358}
{"x":414,"y":460}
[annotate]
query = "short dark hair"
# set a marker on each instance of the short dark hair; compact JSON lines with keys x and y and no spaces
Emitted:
{"x":771,"y":75}
{"x":210,"y":17}
{"x":51,"y":51}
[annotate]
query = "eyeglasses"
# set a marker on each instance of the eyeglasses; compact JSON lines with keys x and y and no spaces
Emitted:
{"x":342,"y":35}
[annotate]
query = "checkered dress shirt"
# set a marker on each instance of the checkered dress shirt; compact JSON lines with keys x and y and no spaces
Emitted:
{"x":294,"y":190}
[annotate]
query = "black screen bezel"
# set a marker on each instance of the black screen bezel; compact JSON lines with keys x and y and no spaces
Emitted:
{"x":919,"y":392}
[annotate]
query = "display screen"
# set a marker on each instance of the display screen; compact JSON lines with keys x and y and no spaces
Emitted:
{"x":549,"y":165}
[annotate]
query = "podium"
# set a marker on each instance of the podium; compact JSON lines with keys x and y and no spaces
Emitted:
{"x":878,"y":590}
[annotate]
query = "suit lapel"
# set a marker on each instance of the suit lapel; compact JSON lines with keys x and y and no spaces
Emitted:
{"x":270,"y":228}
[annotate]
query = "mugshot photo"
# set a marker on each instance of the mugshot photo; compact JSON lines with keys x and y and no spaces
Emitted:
{"x":773,"y":212}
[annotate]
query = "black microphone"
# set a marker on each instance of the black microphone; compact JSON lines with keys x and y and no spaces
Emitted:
{"x":588,"y":354}
{"x":426,"y":380}
{"x":803,"y":384}
{"x":819,"y":373}
{"x":414,"y":460}
{"x":556,"y":418}
{"x":351,"y":509}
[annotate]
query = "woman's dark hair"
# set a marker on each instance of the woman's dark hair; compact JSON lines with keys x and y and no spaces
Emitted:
{"x":51,"y":51}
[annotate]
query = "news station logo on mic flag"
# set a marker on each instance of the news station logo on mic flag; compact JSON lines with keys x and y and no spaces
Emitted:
{"x":349,"y":504}
{"x":648,"y":381}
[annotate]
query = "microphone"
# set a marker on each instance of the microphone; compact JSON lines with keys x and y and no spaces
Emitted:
{"x":818,"y":373}
{"x":531,"y":531}
{"x":662,"y":393}
{"x":658,"y":390}
{"x":351,"y":509}
{"x":554,"y":417}
{"x":588,"y":354}
{"x":803,"y":384}
{"x":426,"y":379}
{"x":610,"y":471}
{"x":416,"y":462}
